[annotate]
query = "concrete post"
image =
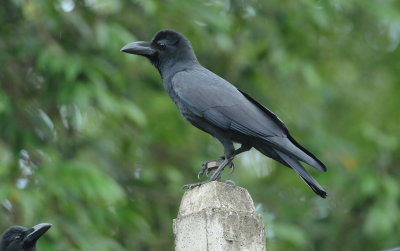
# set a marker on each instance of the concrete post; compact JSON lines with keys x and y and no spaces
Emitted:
{"x":217,"y":217}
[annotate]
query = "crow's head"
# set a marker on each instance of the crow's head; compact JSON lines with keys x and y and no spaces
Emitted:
{"x":19,"y":238}
{"x":167,"y":49}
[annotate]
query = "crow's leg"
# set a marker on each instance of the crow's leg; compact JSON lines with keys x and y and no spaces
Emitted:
{"x":209,"y":166}
{"x":227,"y":160}
{"x":242,"y":148}
{"x":216,"y":175}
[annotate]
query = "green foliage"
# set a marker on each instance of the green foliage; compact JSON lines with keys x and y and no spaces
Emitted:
{"x":90,"y":142}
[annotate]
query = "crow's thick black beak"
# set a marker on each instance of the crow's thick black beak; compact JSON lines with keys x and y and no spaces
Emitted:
{"x":36,"y":232}
{"x":139,"y":48}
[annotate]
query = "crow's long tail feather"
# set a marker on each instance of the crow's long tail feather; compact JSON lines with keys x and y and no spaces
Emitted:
{"x":292,"y":148}
{"x":299,"y":169}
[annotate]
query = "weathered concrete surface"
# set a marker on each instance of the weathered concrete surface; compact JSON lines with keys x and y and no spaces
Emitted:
{"x":218,"y":216}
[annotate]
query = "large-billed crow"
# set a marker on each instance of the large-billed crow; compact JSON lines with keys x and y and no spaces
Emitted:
{"x":19,"y":238}
{"x":217,"y":107}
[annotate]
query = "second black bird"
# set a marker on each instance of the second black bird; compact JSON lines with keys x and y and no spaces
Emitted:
{"x":215,"y":106}
{"x":18,"y":238}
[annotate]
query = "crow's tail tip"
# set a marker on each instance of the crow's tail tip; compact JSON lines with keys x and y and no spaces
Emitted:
{"x":322,"y":193}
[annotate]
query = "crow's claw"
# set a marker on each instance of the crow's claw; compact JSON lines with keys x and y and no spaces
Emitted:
{"x":190,"y":186}
{"x":216,"y":174}
{"x":202,"y":171}
{"x":231,"y":182}
{"x":232,"y":166}
{"x":209,"y":166}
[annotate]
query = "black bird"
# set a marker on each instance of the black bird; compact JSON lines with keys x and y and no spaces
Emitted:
{"x":19,"y":238}
{"x":217,"y":107}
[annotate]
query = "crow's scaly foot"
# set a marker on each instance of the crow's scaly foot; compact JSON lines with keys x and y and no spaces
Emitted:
{"x":215,"y":176}
{"x":190,"y":186}
{"x":208,"y":166}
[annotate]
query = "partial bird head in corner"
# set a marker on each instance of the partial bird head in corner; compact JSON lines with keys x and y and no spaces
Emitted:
{"x":19,"y":238}
{"x":166,"y":48}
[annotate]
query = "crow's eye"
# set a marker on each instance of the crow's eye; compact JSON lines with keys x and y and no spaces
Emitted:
{"x":18,"y":237}
{"x":161,"y":46}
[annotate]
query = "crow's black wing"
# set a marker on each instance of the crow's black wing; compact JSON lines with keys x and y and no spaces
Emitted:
{"x":220,"y":103}
{"x":213,"y":98}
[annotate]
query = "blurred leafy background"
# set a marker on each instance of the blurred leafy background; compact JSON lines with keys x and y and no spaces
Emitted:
{"x":90,"y":142}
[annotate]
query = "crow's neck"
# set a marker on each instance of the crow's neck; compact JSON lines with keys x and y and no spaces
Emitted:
{"x":168,"y":68}
{"x":180,"y":61}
